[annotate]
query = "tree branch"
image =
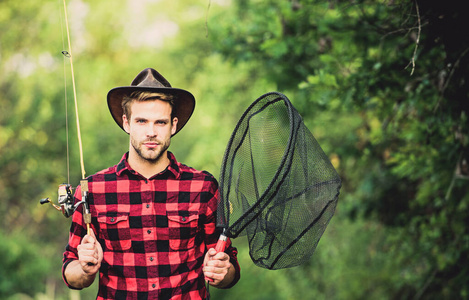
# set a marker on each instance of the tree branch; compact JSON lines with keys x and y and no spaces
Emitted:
{"x":412,"y":61}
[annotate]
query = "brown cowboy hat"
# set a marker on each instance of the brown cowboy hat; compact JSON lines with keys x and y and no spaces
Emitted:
{"x":152,"y":81}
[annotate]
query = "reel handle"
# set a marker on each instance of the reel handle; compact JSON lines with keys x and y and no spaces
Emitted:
{"x":47,"y":200}
{"x":44,"y":201}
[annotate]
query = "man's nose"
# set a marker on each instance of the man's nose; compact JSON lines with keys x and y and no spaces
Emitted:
{"x":151,"y":131}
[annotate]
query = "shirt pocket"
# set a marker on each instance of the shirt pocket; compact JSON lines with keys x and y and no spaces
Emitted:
{"x":182,"y":230}
{"x":115,"y":230}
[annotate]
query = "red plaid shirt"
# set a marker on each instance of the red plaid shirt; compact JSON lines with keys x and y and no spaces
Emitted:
{"x":154,"y":232}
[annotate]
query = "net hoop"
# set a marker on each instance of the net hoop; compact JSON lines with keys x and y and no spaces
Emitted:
{"x":229,"y":230}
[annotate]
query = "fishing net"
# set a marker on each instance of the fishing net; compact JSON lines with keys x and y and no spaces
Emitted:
{"x":277,"y":186}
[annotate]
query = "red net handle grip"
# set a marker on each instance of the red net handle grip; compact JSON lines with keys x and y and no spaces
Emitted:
{"x":220,"y":247}
{"x":221,"y":244}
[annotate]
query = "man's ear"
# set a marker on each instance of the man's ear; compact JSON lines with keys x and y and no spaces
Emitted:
{"x":125,"y":124}
{"x":174,"y":126}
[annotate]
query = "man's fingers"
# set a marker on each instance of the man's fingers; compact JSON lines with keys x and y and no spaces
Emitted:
{"x":216,"y":266}
{"x":220,"y":256}
{"x":88,"y":239}
{"x":216,"y":273}
{"x":89,"y":251}
{"x":212,"y":252}
{"x":88,"y":256}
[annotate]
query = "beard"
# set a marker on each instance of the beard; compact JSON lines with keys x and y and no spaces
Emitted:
{"x":150,"y":155}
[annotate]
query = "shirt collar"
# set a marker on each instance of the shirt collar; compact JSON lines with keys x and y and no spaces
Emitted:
{"x":172,"y":169}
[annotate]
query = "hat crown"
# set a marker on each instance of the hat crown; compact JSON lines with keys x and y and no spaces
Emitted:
{"x":150,"y":78}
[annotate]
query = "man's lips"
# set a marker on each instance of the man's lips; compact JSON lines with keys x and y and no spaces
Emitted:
{"x":151,"y":144}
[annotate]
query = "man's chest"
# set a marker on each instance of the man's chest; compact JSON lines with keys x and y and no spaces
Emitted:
{"x":133,"y":216}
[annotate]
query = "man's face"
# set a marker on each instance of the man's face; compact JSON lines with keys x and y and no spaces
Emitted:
{"x":150,"y":128}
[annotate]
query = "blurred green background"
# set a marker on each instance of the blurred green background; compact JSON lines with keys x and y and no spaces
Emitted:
{"x":382,"y":85}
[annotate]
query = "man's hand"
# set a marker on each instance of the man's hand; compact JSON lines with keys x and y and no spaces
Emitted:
{"x":82,"y":272}
{"x":217,"y":267}
{"x":90,"y":254}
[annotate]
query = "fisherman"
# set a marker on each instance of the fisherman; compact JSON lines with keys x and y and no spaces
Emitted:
{"x":153,"y":219}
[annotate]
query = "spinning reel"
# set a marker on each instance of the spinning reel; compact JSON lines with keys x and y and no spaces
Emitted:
{"x":65,"y":199}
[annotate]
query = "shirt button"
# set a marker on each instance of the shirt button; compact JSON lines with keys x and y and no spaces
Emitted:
{"x":184,"y":219}
{"x":153,"y":285}
{"x":148,"y":205}
{"x":151,"y":258}
{"x":112,"y":220}
{"x":149,"y":231}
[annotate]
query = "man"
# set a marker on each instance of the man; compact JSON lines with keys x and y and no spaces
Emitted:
{"x":153,"y":218}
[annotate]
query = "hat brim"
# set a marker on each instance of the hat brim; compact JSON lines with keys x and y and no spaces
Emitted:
{"x":184,"y":102}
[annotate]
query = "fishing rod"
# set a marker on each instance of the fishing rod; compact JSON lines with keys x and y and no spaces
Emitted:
{"x":65,"y":199}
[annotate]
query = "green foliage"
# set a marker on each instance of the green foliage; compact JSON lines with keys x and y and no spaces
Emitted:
{"x":23,"y":264}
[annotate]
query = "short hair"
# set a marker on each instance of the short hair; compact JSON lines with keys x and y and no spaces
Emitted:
{"x":146,"y":96}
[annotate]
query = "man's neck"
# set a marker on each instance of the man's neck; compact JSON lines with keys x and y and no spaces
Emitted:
{"x":148,"y":168}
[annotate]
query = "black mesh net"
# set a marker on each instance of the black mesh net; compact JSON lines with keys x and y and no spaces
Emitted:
{"x":277,"y":185}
